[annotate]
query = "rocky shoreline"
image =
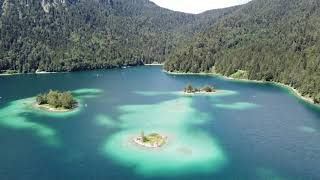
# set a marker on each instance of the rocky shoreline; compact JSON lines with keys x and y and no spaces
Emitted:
{"x":48,"y":108}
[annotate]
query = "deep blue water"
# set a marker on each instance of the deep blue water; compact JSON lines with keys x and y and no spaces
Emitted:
{"x":278,"y":138}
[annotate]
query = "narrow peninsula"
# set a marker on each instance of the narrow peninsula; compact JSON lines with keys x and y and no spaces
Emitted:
{"x":56,"y":101}
{"x":152,"y":140}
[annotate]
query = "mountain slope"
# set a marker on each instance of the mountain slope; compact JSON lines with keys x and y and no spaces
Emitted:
{"x":273,"y":40}
{"x":71,"y":35}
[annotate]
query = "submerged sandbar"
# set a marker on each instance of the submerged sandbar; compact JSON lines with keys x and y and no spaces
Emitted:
{"x":186,"y":150}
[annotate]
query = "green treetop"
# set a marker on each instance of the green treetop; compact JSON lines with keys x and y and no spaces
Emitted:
{"x":57,"y":99}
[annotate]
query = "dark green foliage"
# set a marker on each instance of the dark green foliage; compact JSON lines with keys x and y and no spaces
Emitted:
{"x":42,"y":99}
{"x":189,"y":89}
{"x":82,"y":35}
{"x":57,"y":99}
{"x":208,"y":89}
{"x":144,"y":138}
{"x":272,"y":40}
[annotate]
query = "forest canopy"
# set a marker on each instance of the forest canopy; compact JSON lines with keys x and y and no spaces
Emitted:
{"x":270,"y":40}
{"x":83,"y":35}
{"x":57,"y":99}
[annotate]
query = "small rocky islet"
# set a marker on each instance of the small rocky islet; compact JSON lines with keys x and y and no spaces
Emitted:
{"x":153,"y":140}
{"x":190,"y":90}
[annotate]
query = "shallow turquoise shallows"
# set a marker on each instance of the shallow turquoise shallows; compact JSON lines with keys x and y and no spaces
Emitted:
{"x":247,"y":131}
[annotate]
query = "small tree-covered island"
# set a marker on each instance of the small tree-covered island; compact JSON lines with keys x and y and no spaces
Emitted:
{"x":56,"y":101}
{"x":152,"y":140}
{"x":189,"y":89}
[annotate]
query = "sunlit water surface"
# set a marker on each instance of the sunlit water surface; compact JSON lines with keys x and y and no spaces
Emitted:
{"x":245,"y":131}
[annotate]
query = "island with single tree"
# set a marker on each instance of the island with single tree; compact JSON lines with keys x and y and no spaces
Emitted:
{"x":152,"y":140}
{"x":56,"y":101}
{"x":204,"y":90}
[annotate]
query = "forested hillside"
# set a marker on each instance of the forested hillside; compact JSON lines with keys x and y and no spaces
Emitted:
{"x":71,"y":35}
{"x":272,"y":40}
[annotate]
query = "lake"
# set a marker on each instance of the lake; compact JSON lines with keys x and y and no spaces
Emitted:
{"x":246,"y":131}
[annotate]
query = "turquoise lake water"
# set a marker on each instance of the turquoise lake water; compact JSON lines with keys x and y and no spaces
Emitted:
{"x":245,"y":131}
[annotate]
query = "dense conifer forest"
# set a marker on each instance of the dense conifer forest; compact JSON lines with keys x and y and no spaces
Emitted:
{"x":71,"y":35}
{"x":271,"y":40}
